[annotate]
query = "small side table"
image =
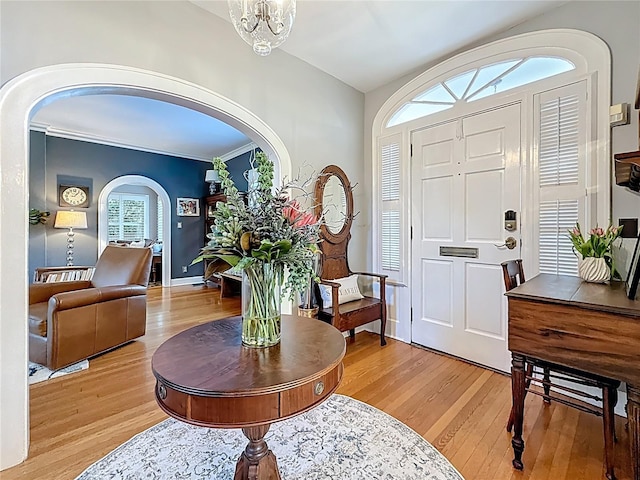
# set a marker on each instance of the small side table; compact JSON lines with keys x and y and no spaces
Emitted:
{"x":155,"y":261}
{"x":206,"y":377}
{"x":230,"y":284}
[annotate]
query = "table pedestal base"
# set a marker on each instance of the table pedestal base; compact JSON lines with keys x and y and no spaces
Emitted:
{"x":257,"y":462}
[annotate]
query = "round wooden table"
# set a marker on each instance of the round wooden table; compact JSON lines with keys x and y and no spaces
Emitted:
{"x":205,"y":376}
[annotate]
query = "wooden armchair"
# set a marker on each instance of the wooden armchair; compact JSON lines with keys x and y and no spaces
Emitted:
{"x":334,"y":201}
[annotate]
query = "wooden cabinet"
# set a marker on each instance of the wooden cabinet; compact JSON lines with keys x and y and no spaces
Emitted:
{"x":210,"y":203}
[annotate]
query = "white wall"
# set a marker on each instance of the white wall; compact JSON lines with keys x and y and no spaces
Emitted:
{"x":318,"y":118}
{"x":615,"y":22}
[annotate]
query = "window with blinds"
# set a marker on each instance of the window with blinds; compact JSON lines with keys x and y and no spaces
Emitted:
{"x":562,"y":165}
{"x":390,"y":250}
{"x":128,"y":216}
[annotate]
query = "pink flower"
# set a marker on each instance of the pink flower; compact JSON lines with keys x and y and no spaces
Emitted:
{"x":296,"y":217}
{"x":576,"y":232}
{"x":598,"y":231}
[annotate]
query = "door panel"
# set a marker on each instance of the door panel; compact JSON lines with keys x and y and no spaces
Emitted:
{"x":438,"y":282}
{"x":437,"y":208}
{"x":465,"y":175}
{"x":484,"y":196}
{"x":480,"y":287}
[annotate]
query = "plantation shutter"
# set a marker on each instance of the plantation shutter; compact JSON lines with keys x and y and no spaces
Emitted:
{"x":562,"y":170}
{"x":391,"y":219}
{"x":128,"y":216}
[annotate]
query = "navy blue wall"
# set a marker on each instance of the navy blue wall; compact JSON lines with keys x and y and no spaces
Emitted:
{"x":37,"y":233}
{"x":55,"y":160}
{"x":237,"y":166}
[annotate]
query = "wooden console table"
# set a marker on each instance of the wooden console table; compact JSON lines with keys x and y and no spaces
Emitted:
{"x":204,"y":376}
{"x":590,"y":327}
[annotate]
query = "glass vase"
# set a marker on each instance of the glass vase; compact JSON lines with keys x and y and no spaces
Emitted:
{"x":261,"y":302}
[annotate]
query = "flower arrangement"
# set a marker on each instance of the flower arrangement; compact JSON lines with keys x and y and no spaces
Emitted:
{"x":264,"y":237}
{"x":599,"y":244}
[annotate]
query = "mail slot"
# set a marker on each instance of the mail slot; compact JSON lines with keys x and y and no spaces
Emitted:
{"x":466,"y":252}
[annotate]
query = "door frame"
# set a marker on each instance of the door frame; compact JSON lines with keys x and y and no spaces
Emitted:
{"x":593,"y":62}
{"x":103,"y":230}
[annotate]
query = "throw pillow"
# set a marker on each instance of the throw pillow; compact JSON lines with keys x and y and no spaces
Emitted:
{"x":347,"y":292}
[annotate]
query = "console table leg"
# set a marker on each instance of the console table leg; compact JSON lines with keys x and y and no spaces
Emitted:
{"x":517,"y":395}
{"x":257,"y":462}
{"x":633,"y":416}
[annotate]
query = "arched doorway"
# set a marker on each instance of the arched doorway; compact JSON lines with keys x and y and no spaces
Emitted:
{"x":20,"y":98}
{"x":166,"y":215}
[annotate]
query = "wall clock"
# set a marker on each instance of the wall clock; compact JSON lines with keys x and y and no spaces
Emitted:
{"x":73,"y":196}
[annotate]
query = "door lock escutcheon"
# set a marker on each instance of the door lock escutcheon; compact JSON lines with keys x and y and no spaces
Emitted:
{"x":510,"y":221}
{"x":509,"y":242}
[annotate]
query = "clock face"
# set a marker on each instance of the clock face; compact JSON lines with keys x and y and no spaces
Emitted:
{"x":73,"y":196}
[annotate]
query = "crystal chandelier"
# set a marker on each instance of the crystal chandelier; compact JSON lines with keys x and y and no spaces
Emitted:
{"x":263,"y":24}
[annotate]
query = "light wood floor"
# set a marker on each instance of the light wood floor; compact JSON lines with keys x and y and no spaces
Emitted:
{"x":460,"y":408}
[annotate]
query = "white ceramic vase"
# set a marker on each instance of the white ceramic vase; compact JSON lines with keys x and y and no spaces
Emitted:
{"x":594,"y":270}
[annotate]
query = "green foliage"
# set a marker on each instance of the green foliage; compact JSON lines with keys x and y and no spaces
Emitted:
{"x":36,"y":216}
{"x":269,"y":228}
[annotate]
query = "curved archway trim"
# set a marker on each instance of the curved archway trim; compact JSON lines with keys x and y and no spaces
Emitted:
{"x":19,"y":99}
{"x":166,"y":217}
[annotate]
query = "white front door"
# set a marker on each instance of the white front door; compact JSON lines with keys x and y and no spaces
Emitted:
{"x":465,"y":176}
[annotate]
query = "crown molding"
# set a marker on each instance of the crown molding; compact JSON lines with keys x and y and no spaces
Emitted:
{"x":91,"y":138}
{"x":238,"y":151}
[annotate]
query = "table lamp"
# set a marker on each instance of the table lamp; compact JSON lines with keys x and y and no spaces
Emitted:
{"x":213,"y":179}
{"x":70,"y":219}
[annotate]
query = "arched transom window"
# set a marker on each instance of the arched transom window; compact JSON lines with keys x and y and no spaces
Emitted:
{"x":480,"y":83}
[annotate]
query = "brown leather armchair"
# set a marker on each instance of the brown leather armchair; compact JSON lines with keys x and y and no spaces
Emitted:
{"x":71,"y":321}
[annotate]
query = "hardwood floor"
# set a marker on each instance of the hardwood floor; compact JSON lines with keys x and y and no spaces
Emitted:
{"x":460,"y":408}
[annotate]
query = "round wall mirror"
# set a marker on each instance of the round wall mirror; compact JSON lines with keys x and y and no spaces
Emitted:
{"x":334,"y":202}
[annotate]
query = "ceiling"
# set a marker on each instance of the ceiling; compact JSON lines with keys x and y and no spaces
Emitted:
{"x":389,"y":39}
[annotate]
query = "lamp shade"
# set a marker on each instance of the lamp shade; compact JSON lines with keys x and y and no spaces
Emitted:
{"x":70,"y":219}
{"x":212,"y":176}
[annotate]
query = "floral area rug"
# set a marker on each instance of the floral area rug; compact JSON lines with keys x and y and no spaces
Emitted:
{"x":40,"y":373}
{"x":341,"y":439}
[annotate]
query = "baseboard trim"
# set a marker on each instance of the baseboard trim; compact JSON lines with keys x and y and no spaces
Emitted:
{"x":175,"y":282}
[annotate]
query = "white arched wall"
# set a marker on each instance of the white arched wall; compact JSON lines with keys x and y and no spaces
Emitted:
{"x":20,"y":98}
{"x":103,"y":219}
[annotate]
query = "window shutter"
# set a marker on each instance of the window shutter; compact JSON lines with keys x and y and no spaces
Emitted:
{"x":559,"y":137}
{"x":391,"y":241}
{"x":390,"y":193}
{"x":562,"y":166}
{"x":555,"y":252}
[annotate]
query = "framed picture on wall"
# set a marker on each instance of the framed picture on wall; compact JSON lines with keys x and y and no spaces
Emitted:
{"x":188,"y":207}
{"x":633,"y":277}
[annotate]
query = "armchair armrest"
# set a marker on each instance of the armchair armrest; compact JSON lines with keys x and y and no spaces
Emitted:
{"x":90,"y":296}
{"x":41,"y":292}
